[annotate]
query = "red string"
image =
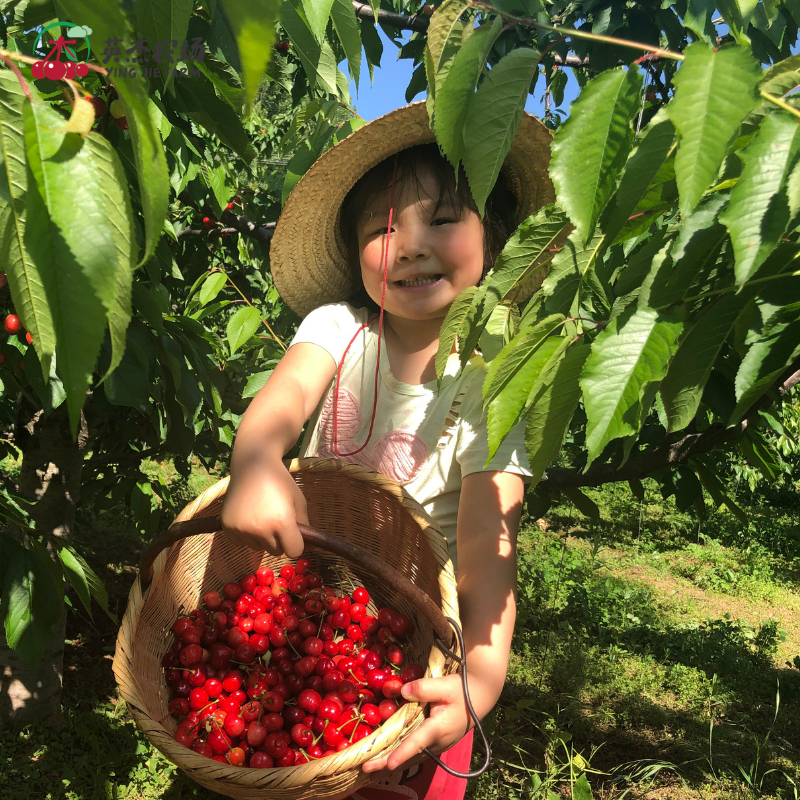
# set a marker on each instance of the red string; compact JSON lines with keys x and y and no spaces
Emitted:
{"x":385,"y":256}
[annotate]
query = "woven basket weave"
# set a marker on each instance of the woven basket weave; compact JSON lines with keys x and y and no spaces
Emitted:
{"x":348,"y":500}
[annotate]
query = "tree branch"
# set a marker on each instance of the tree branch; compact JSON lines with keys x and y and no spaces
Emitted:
{"x":669,"y":454}
{"x":234,"y":224}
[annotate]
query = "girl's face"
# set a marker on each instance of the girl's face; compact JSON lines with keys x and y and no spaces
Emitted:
{"x":434,"y":254}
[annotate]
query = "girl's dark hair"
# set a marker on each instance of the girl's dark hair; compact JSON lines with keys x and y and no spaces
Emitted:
{"x":499,"y":219}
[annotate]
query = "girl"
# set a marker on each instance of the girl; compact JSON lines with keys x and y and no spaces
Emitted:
{"x":380,"y":220}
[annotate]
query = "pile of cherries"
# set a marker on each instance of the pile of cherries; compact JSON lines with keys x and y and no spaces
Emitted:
{"x":280,"y":670}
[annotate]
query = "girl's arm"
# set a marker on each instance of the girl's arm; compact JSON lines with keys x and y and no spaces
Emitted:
{"x":488,"y":518}
{"x":263,"y":504}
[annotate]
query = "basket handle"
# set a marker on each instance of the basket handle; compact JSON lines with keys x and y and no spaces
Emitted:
{"x":325,"y":541}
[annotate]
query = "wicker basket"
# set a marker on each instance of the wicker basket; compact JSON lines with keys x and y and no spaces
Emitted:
{"x":363,"y":507}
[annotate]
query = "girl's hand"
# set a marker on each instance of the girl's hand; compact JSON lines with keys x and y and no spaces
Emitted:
{"x":448,"y":722}
{"x":262,"y":508}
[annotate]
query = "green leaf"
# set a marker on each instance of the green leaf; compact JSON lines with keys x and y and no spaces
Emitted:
{"x":627,"y":360}
{"x":652,"y":147}
{"x":516,"y":354}
{"x":107,"y":21}
{"x":444,"y":20}
{"x":712,"y":484}
{"x":25,"y":281}
{"x":129,"y":384}
{"x":51,"y":394}
{"x":591,"y":147}
{"x":698,"y":19}
{"x":76,"y":576}
{"x":588,"y":508}
{"x":318,"y":60}
{"x":715,"y":91}
{"x":76,"y":238}
{"x":553,"y":409}
{"x":255,"y":383}
{"x":346,"y":26}
{"x":758,"y":212}
{"x":451,"y":327}
{"x":31,"y":603}
{"x":454,"y":99}
{"x":509,"y":403}
{"x":197,"y":99}
{"x":317,"y":13}
{"x":769,"y":355}
{"x":582,"y":790}
{"x":253,"y":24}
{"x":682,"y":388}
{"x":497,"y":334}
{"x":211,"y":287}
{"x":158,"y":22}
{"x":562,"y":288}
{"x":241,"y":326}
{"x":494,"y":118}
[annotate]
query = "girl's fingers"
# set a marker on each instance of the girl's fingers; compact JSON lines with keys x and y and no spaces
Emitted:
{"x":428,"y":690}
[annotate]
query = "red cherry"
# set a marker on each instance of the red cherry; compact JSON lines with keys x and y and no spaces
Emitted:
{"x":372,"y":715}
{"x":229,"y":207}
{"x":275,"y":745}
{"x":328,"y":710}
{"x":121,"y":123}
{"x":99,"y":106}
{"x":302,"y":734}
{"x":261,"y":760}
{"x":12,"y":324}
{"x":219,"y":742}
{"x":236,"y":756}
{"x":28,"y":338}
{"x":303,"y":565}
{"x":264,"y":576}
{"x":387,"y":708}
{"x":248,"y":582}
{"x":179,"y":707}
{"x":3,"y":361}
{"x":651,"y":97}
{"x":230,"y":590}
{"x":391,"y":688}
{"x":361,"y":595}
{"x":3,"y":281}
{"x":234,"y":725}
{"x":332,"y":735}
{"x":428,"y":10}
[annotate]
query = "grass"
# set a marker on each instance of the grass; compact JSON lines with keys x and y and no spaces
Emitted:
{"x":647,"y":658}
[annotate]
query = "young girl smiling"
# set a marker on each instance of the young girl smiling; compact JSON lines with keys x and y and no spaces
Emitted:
{"x":381,"y":221}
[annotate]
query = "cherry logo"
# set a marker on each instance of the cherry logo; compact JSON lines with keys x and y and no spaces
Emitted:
{"x":52,"y":67}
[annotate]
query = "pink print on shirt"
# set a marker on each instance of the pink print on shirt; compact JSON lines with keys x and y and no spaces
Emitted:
{"x":399,"y":454}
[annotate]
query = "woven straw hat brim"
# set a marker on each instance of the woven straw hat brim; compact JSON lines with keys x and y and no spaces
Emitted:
{"x":307,"y":255}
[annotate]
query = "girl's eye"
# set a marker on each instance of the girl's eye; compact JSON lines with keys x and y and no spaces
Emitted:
{"x":443,"y":221}
{"x":381,"y":231}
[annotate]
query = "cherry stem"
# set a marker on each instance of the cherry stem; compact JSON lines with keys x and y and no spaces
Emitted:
{"x":12,"y":66}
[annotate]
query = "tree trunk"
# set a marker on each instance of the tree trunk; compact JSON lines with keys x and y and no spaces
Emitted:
{"x":51,"y":477}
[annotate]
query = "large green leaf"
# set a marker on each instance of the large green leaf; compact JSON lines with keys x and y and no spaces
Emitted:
{"x":317,"y":13}
{"x":769,"y":355}
{"x":161,"y":22}
{"x":758,"y":212}
{"x":31,"y":602}
{"x":651,"y":150}
{"x":499,"y":329}
{"x":715,"y":91}
{"x":508,"y":406}
{"x":591,"y":147}
{"x":349,"y":33}
{"x":73,"y":569}
{"x":107,"y":21}
{"x":25,"y":282}
{"x":317,"y":59}
{"x":494,"y":118}
{"x":444,"y":20}
{"x":451,"y":328}
{"x":562,"y":288}
{"x":453,"y":100}
{"x":682,"y":388}
{"x":553,"y":409}
{"x":114,"y":195}
{"x":253,"y":23}
{"x":79,"y":242}
{"x":628,"y":359}
{"x":515,"y":355}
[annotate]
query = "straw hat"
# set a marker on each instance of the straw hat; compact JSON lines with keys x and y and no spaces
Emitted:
{"x":307,"y":254}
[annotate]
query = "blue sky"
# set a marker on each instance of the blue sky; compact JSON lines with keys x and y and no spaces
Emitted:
{"x":391,"y":79}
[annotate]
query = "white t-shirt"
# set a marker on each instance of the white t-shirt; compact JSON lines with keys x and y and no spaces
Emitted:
{"x":425,"y":440}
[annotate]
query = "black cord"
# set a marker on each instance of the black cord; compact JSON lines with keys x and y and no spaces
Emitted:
{"x":462,"y":661}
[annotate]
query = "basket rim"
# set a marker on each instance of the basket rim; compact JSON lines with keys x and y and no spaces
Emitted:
{"x":327,"y":767}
